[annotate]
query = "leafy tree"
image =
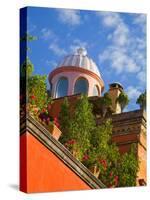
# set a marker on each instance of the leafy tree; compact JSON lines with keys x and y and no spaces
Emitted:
{"x":103,"y":154}
{"x":34,"y":85}
{"x":105,"y":103}
{"x":81,"y":126}
{"x":36,"y":91}
{"x":142,"y":100}
{"x":128,"y":168}
{"x":27,"y":68}
{"x":102,"y":105}
{"x":64,"y":118}
{"x":123,"y":100}
{"x":114,"y":169}
{"x":28,"y":37}
{"x":93,"y":145}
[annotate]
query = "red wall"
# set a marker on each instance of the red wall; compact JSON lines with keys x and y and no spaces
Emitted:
{"x":124,"y":142}
{"x":44,"y":171}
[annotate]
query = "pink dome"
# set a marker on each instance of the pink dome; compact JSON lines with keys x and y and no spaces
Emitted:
{"x":80,"y":59}
{"x":75,"y":74}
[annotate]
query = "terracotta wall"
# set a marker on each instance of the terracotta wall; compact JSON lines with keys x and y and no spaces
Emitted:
{"x":45,"y":172}
{"x":142,"y":155}
{"x":56,"y":106}
{"x":124,"y":141}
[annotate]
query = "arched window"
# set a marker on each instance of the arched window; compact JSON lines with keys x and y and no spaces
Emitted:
{"x":96,"y":91}
{"x":81,"y":86}
{"x":62,"y":87}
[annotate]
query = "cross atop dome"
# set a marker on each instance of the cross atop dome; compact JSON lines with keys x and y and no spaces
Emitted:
{"x":82,"y":51}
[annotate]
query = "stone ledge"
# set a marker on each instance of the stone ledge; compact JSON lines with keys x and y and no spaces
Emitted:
{"x":128,"y":115}
{"x":43,"y":135}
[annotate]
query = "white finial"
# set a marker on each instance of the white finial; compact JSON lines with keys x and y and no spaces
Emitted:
{"x":82,"y":51}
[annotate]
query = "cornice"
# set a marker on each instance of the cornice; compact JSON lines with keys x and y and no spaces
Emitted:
{"x":78,"y":69}
{"x":127,"y":122}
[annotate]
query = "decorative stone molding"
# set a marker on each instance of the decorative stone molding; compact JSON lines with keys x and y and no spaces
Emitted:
{"x":128,"y":122}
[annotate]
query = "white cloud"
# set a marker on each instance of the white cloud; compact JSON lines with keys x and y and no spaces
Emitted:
{"x":47,"y":33}
{"x":77,"y":44}
{"x":127,"y":51}
{"x":142,"y":76}
{"x":56,"y":49}
{"x":119,"y":60}
{"x":70,"y":17}
{"x":140,"y":21}
{"x":133,"y":92}
{"x":140,"y":18}
{"x":51,"y":63}
{"x":140,"y":43}
{"x":120,"y":36}
{"x":109,"y":19}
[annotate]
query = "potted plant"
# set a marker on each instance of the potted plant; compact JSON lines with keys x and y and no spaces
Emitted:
{"x":142,"y":100}
{"x":53,"y":127}
{"x":95,"y":170}
{"x":123,"y":100}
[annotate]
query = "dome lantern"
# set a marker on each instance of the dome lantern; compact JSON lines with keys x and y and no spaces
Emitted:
{"x":81,"y":51}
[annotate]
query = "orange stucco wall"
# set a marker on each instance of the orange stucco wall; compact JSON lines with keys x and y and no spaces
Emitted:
{"x":45,"y":172}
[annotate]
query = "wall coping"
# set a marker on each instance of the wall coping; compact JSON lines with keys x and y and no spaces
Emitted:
{"x":129,"y":115}
{"x":42,"y":134}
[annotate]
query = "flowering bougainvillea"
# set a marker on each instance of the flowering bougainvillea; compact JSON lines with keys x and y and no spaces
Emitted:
{"x":92,"y":145}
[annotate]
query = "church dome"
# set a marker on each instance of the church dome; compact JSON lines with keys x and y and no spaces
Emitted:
{"x":76,"y":74}
{"x":80,"y":59}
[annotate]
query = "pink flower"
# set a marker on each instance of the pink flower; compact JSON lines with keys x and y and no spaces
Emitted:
{"x":33,"y":97}
{"x":43,"y":110}
{"x":111,"y":173}
{"x":71,"y":141}
{"x":55,"y":119}
{"x":104,"y":163}
{"x":110,"y":186}
{"x":85,"y":157}
{"x":56,"y":122}
{"x":49,"y":106}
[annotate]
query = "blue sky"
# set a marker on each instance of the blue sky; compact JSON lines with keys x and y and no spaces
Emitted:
{"x":115,"y":41}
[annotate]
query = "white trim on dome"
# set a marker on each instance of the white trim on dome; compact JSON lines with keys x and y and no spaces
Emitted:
{"x":80,"y":59}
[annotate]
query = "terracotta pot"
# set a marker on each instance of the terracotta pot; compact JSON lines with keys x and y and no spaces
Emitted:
{"x":55,"y":132}
{"x":94,"y":169}
{"x":74,"y":153}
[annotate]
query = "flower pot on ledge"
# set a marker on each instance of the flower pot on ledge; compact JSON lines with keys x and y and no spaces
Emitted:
{"x":55,"y":132}
{"x":95,"y":170}
{"x":32,"y":109}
